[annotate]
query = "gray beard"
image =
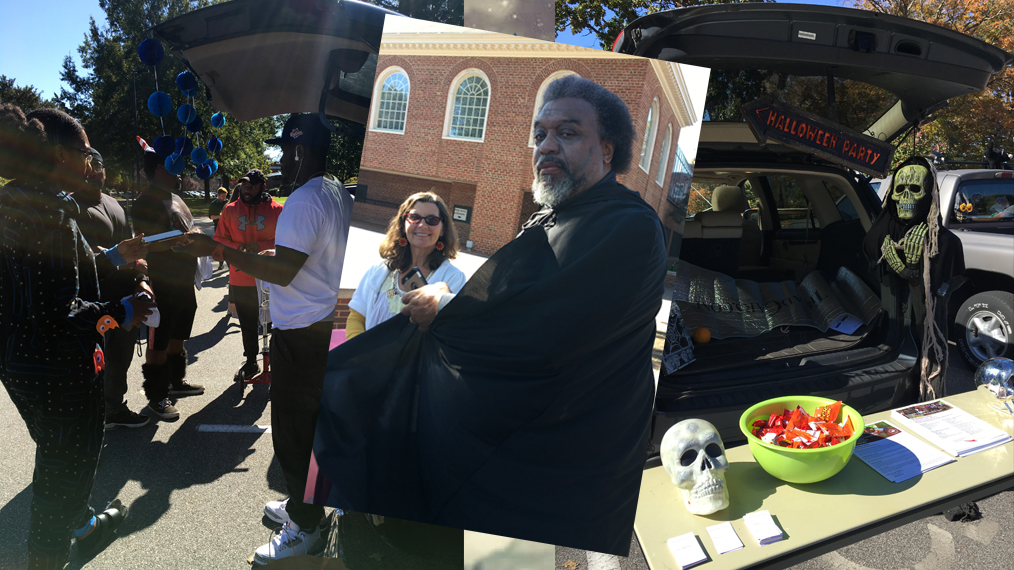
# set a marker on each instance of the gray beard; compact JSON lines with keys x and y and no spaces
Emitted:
{"x":552,"y":194}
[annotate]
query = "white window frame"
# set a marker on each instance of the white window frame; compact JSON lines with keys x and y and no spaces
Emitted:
{"x":650,"y":130}
{"x":452,"y":92}
{"x":538,"y":99}
{"x":378,"y":87}
{"x":663,"y":160}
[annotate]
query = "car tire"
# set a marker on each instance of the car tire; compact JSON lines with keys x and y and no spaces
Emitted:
{"x":983,"y":327}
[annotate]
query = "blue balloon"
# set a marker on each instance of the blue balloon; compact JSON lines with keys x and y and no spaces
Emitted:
{"x":186,"y":113}
{"x":174,"y":163}
{"x":160,"y":104}
{"x":215,"y":145}
{"x":164,"y":145}
{"x":198,"y":156}
{"x":218,"y":120}
{"x":196,"y":125}
{"x":187,"y":83}
{"x":213,"y":164}
{"x":184,"y":145}
{"x":204,"y":171}
{"x":150,"y":51}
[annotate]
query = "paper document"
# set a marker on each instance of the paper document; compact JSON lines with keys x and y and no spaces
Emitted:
{"x":687,"y":550}
{"x":763,"y":527}
{"x":725,"y":537}
{"x":895,"y":454}
{"x":952,"y":429}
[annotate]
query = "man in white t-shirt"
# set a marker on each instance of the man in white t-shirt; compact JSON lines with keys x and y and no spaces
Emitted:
{"x":304,"y":274}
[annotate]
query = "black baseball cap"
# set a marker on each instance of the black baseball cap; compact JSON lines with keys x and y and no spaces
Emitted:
{"x":305,"y":129}
{"x":255,"y":176}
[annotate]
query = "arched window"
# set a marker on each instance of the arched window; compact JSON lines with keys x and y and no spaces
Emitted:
{"x":392,"y":101}
{"x":649,"y":135}
{"x":468,"y":106}
{"x":538,"y":99}
{"x":663,"y":160}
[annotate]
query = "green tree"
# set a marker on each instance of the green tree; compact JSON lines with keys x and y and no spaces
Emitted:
{"x":102,"y":97}
{"x":26,"y":97}
{"x":450,"y":12}
{"x":606,"y":18}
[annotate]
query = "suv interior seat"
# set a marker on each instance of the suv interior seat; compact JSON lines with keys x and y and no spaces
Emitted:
{"x":731,"y":244}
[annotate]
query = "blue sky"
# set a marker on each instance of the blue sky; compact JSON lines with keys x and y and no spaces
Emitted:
{"x":33,"y":60}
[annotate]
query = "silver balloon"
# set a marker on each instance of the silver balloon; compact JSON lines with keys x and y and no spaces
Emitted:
{"x":996,"y":376}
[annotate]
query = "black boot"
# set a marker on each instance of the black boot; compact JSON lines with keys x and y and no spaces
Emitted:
{"x":156,"y":388}
{"x":178,"y":371}
{"x":102,"y":533}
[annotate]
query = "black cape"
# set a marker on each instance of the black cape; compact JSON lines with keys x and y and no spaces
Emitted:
{"x":525,"y":410}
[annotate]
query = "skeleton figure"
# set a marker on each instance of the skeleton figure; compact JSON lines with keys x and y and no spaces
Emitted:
{"x":694,"y":457}
{"x":911,"y":194}
{"x":907,"y":241}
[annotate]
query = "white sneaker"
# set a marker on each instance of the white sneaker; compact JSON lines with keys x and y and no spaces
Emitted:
{"x":275,"y":510}
{"x":290,"y":541}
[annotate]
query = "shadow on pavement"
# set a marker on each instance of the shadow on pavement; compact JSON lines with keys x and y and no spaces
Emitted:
{"x":188,"y":458}
{"x":14,"y":520}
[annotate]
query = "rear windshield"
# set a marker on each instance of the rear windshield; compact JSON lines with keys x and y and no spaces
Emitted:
{"x":857,"y":104}
{"x":985,"y":205}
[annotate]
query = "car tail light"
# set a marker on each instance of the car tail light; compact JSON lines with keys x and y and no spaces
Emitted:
{"x":618,"y":41}
{"x":1006,"y":174}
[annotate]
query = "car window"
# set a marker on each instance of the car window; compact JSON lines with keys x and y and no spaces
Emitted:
{"x":790,"y":203}
{"x":845,"y":206}
{"x":984,"y":205}
{"x":700,"y":196}
{"x":753,"y":214}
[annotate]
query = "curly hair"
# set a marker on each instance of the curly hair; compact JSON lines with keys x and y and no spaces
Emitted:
{"x":615,"y":123}
{"x":26,"y":155}
{"x":399,"y":257}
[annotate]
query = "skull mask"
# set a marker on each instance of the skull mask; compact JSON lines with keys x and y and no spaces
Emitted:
{"x":911,"y":191}
{"x":694,"y":457}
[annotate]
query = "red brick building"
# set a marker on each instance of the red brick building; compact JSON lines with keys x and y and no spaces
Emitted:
{"x":453,"y":108}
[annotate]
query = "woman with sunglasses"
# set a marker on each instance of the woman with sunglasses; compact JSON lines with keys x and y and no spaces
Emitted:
{"x":419,"y":236}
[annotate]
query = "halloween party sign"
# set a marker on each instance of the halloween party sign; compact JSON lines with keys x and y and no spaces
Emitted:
{"x":770,"y":119}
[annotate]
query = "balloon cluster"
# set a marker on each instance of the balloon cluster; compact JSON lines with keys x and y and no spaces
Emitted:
{"x":176,"y":150}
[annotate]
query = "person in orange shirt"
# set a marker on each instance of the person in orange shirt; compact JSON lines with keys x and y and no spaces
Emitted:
{"x":248,"y":224}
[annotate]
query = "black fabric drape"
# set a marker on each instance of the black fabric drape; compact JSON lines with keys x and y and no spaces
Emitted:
{"x":524,"y":411}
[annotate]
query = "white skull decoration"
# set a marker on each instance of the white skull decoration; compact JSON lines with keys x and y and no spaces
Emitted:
{"x":694,"y":457}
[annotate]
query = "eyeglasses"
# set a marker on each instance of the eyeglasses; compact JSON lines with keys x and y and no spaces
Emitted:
{"x":430,"y":220}
{"x":88,"y":154}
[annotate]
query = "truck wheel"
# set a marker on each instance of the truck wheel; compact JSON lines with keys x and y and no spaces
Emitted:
{"x":983,"y":326}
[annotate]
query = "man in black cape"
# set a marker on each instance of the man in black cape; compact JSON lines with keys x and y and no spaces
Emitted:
{"x":522,"y":407}
{"x":922,"y":261}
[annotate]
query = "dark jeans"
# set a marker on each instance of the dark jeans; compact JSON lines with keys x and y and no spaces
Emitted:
{"x":63,"y":409}
{"x":298,"y":359}
{"x":247,"y":310}
{"x":119,"y":350}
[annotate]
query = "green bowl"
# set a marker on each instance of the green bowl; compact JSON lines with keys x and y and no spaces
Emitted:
{"x":799,"y":465}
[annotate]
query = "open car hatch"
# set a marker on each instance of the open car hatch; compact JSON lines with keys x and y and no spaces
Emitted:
{"x":259,"y":58}
{"x":922,"y":64}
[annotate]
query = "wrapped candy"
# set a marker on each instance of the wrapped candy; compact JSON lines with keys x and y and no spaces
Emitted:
{"x":798,"y":430}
